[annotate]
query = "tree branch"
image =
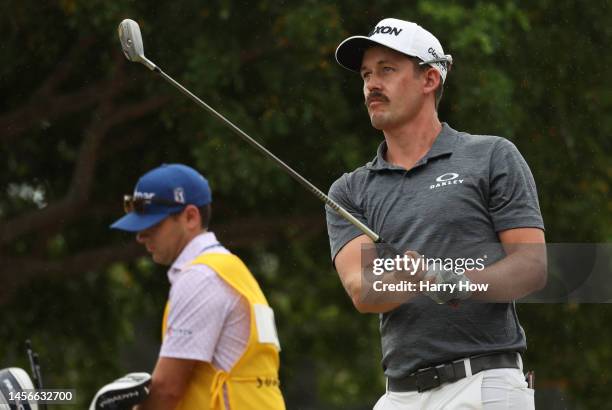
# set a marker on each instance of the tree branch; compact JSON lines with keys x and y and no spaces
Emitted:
{"x":44,"y":104}
{"x":16,"y":122}
{"x":129,"y":112}
{"x":69,"y":207}
{"x":18,"y":272}
{"x":63,"y":69}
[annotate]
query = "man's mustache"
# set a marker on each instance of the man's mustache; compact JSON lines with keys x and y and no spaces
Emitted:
{"x":375,"y":96}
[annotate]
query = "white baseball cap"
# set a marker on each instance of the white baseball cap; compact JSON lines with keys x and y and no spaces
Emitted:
{"x":402,"y":36}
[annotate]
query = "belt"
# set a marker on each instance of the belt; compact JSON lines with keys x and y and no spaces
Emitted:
{"x":431,"y":377}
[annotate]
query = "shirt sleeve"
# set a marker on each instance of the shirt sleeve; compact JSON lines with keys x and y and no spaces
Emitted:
{"x":513,"y":197}
{"x":200,"y":303}
{"x":340,"y":230}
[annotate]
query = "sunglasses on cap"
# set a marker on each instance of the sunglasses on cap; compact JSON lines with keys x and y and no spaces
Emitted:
{"x":137,"y":204}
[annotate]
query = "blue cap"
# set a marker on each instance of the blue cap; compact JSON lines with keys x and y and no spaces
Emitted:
{"x":170,"y":183}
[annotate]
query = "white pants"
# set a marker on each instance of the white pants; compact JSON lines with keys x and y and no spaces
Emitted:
{"x":495,"y":389}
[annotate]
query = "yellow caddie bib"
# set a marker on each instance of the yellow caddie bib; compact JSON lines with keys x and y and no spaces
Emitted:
{"x":253,"y":381}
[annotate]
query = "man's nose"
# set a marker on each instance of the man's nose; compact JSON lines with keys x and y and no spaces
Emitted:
{"x":374,"y":83}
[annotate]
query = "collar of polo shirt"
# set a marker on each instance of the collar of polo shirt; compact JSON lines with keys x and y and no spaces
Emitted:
{"x":444,"y":144}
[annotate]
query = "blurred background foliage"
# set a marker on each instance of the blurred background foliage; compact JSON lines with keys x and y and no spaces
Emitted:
{"x":79,"y":125}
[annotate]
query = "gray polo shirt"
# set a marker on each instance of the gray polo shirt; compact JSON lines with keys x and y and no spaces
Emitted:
{"x":453,"y":201}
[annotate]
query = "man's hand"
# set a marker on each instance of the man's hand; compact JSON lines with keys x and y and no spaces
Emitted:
{"x":351,"y":261}
{"x":417,"y":271}
{"x":460,"y":286}
{"x":170,"y":380}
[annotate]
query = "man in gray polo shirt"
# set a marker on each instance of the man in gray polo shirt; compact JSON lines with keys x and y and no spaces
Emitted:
{"x":440,"y":193}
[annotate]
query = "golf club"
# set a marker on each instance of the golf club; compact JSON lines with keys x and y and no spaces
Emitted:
{"x":131,"y":43}
{"x":15,"y":387}
{"x":35,"y":366}
{"x":123,"y":393}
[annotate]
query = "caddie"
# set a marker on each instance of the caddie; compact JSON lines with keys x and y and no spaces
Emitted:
{"x":220,"y":349}
{"x":439,"y":192}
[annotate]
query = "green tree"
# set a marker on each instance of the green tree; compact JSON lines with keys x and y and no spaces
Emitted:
{"x":79,"y":124}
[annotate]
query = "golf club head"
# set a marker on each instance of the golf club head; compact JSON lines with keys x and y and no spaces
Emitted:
{"x":123,"y":393}
{"x":131,"y":40}
{"x":131,"y":43}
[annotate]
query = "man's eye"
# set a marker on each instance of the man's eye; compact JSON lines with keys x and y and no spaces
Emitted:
{"x":388,"y":69}
{"x":365,"y":75}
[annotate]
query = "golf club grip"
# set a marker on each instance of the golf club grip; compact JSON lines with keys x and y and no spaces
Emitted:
{"x":303,"y":181}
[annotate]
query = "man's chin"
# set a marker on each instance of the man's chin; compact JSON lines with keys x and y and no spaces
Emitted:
{"x":378,"y":121}
{"x":376,"y":126}
{"x":159,"y":260}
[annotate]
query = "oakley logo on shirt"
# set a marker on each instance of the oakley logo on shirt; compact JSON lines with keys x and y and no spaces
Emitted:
{"x":450,"y":178}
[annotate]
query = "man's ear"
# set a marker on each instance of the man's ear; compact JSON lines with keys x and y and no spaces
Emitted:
{"x":432,"y":80}
{"x":192,"y":216}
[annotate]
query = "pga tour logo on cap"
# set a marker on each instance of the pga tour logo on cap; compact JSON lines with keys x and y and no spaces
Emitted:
{"x":179,"y":195}
{"x":402,"y":36}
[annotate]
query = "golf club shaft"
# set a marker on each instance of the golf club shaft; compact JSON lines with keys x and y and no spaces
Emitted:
{"x":36,"y":373}
{"x":303,"y":181}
